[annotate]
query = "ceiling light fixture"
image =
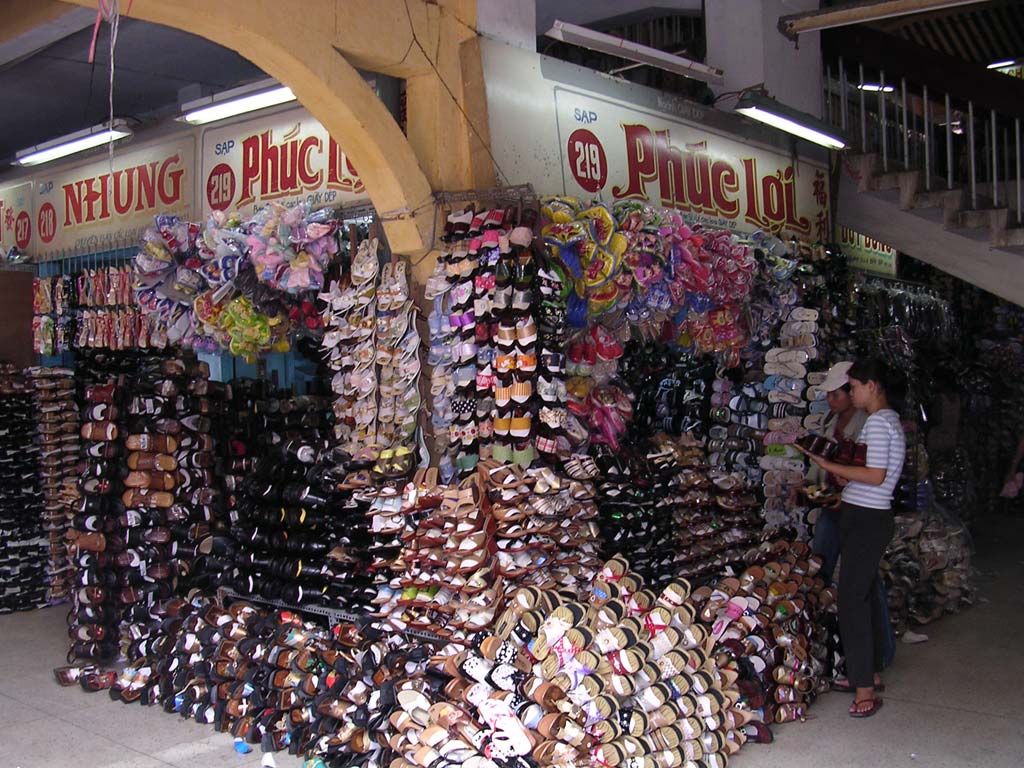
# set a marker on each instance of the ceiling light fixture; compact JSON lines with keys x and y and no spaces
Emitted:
{"x":1001,"y":64}
{"x":767,"y":110}
{"x":875,"y":87}
{"x":73,"y":143}
{"x":237,"y":101}
{"x":626,"y":49}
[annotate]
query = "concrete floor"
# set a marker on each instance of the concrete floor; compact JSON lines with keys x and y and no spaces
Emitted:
{"x":955,"y":701}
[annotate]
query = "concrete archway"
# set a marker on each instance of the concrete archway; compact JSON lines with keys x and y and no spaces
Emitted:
{"x":315,"y":46}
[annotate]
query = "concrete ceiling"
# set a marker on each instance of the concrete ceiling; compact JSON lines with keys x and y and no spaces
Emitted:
{"x":50,"y":90}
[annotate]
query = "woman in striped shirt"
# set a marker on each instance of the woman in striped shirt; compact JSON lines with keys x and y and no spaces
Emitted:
{"x":866,"y":526}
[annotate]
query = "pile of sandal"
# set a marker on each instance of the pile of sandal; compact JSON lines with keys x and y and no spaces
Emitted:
{"x":484,"y":385}
{"x":23,"y":566}
{"x":450,"y":585}
{"x":774,"y":625}
{"x":197,"y":513}
{"x":371,"y":328}
{"x":283,"y":528}
{"x":622,"y":674}
{"x":798,"y":404}
{"x":546,"y":532}
{"x":927,"y":568}
{"x":669,"y":388}
{"x":393,"y":520}
{"x":97,"y":553}
{"x":57,"y":436}
{"x":272,"y":680}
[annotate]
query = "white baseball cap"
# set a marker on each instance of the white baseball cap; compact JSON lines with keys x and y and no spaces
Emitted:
{"x":837,"y":376}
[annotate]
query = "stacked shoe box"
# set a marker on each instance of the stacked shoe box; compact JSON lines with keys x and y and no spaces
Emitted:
{"x":57,"y":435}
{"x":23,"y":577}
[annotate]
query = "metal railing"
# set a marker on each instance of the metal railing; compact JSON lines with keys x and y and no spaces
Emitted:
{"x":949,"y":139}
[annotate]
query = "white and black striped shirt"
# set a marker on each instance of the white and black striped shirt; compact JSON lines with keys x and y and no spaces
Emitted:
{"x":887,"y":449}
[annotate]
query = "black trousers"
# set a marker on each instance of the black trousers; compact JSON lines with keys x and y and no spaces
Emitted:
{"x":864,"y":535}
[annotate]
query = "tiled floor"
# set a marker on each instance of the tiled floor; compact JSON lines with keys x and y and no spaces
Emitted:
{"x":955,"y":701}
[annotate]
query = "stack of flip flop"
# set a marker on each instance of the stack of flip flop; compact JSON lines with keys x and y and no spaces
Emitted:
{"x":57,"y":427}
{"x":23,"y":566}
{"x":553,"y":442}
{"x":394,"y":517}
{"x":669,"y":389}
{"x":546,"y":531}
{"x":786,"y":385}
{"x":650,"y":496}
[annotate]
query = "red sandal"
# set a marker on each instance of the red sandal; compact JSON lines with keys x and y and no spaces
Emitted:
{"x":857,"y":709}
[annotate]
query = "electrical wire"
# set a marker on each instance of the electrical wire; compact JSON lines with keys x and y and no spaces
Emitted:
{"x":486,"y":145}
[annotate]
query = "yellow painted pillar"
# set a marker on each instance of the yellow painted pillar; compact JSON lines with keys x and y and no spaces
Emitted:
{"x":315,"y":46}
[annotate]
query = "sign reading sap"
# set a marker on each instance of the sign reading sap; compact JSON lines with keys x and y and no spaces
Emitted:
{"x":585,"y":116}
{"x":223,"y":147}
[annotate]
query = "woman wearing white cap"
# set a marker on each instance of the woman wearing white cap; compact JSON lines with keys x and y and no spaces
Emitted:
{"x":866,"y":526}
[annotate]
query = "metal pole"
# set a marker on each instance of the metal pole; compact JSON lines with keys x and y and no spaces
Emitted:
{"x":1006,"y":159}
{"x":1016,"y":147}
{"x":927,"y":141}
{"x":828,"y":94}
{"x":881,"y":118}
{"x":906,"y":127}
{"x":843,"y":107}
{"x":863,"y":113}
{"x":970,"y":161}
{"x":995,"y":162}
{"x":949,"y":145}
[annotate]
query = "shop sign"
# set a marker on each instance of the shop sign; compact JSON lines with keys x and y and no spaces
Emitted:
{"x":867,"y":254}
{"x":16,"y":218}
{"x":287,"y":158}
{"x":86,"y":209}
{"x":615,"y":151}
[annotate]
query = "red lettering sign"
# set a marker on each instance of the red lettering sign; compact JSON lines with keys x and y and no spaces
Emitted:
{"x":220,"y":187}
{"x":690,"y":180}
{"x":22,"y":230}
{"x":47,"y":223}
{"x":147,"y":187}
{"x":587,"y":160}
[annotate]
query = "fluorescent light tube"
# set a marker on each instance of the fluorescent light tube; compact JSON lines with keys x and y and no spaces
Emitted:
{"x":1001,"y":64}
{"x":96,"y":136}
{"x":626,"y":49}
{"x":235,"y":102}
{"x":770,"y":112}
{"x":875,"y":87}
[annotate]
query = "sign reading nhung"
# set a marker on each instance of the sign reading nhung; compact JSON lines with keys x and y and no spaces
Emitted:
{"x":16,"y":218}
{"x":615,"y":151}
{"x":86,"y":209}
{"x":866,"y":253}
{"x":288,"y":158}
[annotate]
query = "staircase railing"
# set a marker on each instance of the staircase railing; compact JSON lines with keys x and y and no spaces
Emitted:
{"x":950,"y":139}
